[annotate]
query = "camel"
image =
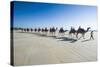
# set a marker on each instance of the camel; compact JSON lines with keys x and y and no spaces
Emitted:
{"x":53,"y":31}
{"x":39,"y":29}
{"x":46,"y":30}
{"x":62,"y":31}
{"x":72,"y":31}
{"x":42,"y":30}
{"x":31,"y":30}
{"x":82,"y":31}
{"x":24,"y":29}
{"x":27,"y":29}
{"x":35,"y":29}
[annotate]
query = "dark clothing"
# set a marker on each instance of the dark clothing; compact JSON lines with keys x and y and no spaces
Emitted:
{"x":91,"y":35}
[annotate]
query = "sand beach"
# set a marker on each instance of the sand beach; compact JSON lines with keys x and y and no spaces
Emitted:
{"x":34,"y":49}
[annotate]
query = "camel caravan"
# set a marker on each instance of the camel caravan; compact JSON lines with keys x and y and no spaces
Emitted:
{"x":54,"y":31}
{"x":80,"y":30}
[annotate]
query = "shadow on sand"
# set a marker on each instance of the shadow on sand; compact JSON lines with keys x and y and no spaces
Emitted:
{"x":85,"y":40}
{"x":38,"y":34}
{"x":71,"y":40}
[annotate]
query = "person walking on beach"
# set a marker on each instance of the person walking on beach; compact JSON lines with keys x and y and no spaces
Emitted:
{"x":91,"y":37}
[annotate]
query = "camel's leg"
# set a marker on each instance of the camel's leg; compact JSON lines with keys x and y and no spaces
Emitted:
{"x":49,"y":33}
{"x":69,"y":35}
{"x":53,"y":33}
{"x":76,"y":35}
{"x":73,"y":35}
{"x":63,"y":33}
{"x":83,"y":36}
{"x":46,"y":33}
{"x":60,"y":34}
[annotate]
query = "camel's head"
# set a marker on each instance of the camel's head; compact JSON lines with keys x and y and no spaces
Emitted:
{"x":89,"y":28}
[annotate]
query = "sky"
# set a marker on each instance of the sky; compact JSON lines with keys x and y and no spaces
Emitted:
{"x":36,"y":14}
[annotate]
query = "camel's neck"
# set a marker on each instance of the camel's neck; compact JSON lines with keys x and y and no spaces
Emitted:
{"x":87,"y":30}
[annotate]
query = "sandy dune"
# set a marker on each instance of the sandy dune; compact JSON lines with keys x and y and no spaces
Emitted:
{"x":34,"y":49}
